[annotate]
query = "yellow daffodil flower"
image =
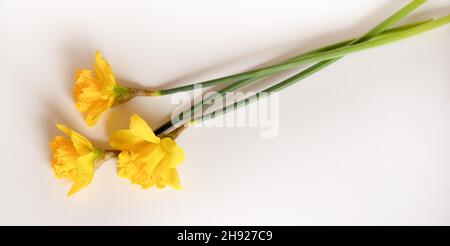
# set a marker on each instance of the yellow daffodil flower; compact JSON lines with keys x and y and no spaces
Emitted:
{"x":145,"y":158}
{"x":74,"y":158}
{"x":95,"y":92}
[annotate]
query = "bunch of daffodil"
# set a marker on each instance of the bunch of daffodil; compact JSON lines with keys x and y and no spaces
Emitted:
{"x":143,"y":157}
{"x":150,"y":158}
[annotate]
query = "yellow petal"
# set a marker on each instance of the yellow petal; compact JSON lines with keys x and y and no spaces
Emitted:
{"x":139,"y":164}
{"x":83,"y":173}
{"x":85,"y":80}
{"x":80,"y":143}
{"x":64,"y":156}
{"x":140,"y":128}
{"x":87,"y":91}
{"x":95,"y":111}
{"x":173,"y":180}
{"x":64,"y":129}
{"x":125,"y":140}
{"x":175,"y":153}
{"x":163,"y":175}
{"x":131,"y":169}
{"x":103,"y":71}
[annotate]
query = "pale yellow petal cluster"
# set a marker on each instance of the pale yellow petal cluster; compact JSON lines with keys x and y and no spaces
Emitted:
{"x":73,"y":158}
{"x":145,"y":158}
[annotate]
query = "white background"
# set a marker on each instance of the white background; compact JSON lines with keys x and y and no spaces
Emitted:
{"x":364,"y":142}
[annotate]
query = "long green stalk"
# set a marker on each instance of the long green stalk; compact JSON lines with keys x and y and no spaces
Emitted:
{"x":191,"y":111}
{"x":397,"y":16}
{"x":399,"y":36}
{"x":241,"y":83}
{"x":274,"y":68}
{"x":379,"y":29}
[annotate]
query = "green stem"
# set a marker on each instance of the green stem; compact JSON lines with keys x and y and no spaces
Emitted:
{"x":241,"y":83}
{"x":398,"y":36}
{"x":397,"y":16}
{"x":274,"y":68}
{"x":377,"y":32}
{"x":191,"y":111}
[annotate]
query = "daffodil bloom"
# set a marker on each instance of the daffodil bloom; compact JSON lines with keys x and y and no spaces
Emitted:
{"x":97,"y":91}
{"x":74,"y":158}
{"x":145,"y":158}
